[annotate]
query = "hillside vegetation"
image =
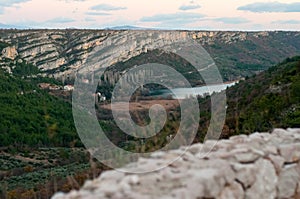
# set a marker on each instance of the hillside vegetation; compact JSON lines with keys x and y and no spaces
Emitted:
{"x":268,"y":100}
{"x":30,"y":116}
{"x":37,"y":137}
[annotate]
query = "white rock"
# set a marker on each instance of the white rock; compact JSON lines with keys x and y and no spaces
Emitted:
{"x":239,"y":138}
{"x":233,"y":191}
{"x":290,"y":152}
{"x":130,"y":179}
{"x":195,"y":148}
{"x":246,"y":157}
{"x":114,"y":174}
{"x":277,"y":161}
{"x":244,"y":173}
{"x":288,"y":181}
{"x":265,"y":183}
{"x":250,"y":167}
{"x":294,"y":131}
{"x":210,"y":182}
{"x":59,"y":195}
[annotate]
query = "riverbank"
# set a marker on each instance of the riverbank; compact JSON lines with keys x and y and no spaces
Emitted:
{"x":181,"y":93}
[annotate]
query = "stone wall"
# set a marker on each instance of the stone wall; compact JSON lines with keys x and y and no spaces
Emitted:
{"x":258,"y":166}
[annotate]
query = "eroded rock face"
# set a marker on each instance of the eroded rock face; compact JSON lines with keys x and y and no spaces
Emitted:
{"x":57,"y":52}
{"x":62,"y":52}
{"x":256,"y":166}
{"x":10,"y":52}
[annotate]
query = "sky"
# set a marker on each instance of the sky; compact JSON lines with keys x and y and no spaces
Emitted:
{"x":245,"y":15}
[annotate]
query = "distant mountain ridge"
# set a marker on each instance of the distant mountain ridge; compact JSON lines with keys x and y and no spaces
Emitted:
{"x":126,"y":27}
{"x":11,"y":26}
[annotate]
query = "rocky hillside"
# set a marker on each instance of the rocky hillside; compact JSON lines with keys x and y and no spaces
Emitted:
{"x":260,"y":165}
{"x":60,"y":53}
{"x":265,"y":101}
{"x":31,"y":115}
{"x":268,"y":100}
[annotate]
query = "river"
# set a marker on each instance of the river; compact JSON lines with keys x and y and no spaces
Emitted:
{"x":181,"y":93}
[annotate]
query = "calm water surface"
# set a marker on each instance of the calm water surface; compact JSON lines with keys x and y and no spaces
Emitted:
{"x":181,"y":93}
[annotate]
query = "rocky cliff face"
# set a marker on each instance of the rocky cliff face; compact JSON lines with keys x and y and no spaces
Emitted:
{"x":61,"y":52}
{"x":260,"y":165}
{"x":10,"y":53}
{"x":54,"y":52}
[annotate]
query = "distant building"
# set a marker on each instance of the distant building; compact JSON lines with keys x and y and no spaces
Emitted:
{"x":100,"y":97}
{"x":51,"y":87}
{"x":68,"y":87}
{"x":54,"y":87}
{"x":44,"y":85}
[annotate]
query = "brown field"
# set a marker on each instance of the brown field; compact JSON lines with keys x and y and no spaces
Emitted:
{"x":143,"y":105}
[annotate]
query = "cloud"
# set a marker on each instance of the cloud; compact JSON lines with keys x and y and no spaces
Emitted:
{"x":271,"y":7}
{"x":70,"y":1}
{"x":98,"y":13}
{"x":232,"y":20}
{"x":107,"y":7}
{"x":173,"y":17}
{"x":286,"y":22}
{"x":179,"y":20}
{"x":89,"y":19}
{"x":190,"y":6}
{"x":60,"y":20}
{"x":8,"y":3}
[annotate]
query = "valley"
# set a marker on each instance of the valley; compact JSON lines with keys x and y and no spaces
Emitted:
{"x":40,"y":150}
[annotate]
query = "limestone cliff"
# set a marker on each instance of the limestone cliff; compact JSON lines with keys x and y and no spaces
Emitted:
{"x":61,"y":52}
{"x":10,"y":52}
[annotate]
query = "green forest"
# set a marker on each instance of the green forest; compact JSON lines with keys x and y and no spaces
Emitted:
{"x":30,"y":116}
{"x":263,"y":102}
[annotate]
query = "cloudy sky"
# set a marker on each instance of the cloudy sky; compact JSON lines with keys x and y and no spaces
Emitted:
{"x":165,"y":14}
